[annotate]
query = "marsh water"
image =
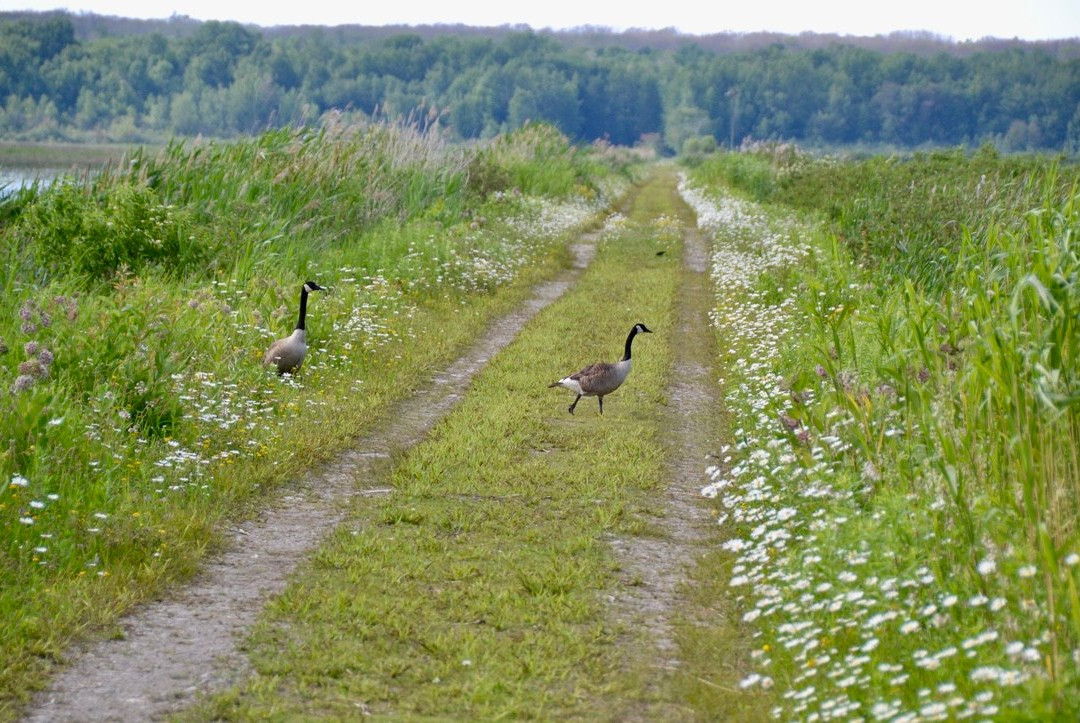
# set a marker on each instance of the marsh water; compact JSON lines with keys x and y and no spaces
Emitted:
{"x":21,"y":164}
{"x":12,"y":178}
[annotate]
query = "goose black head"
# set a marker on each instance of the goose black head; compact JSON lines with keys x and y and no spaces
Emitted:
{"x":641,"y":328}
{"x":312,"y":286}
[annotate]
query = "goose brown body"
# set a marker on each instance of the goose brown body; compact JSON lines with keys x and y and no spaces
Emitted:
{"x":287,"y":354}
{"x":602,"y":378}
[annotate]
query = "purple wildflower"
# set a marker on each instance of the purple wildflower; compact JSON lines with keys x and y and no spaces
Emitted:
{"x":70,"y":307}
{"x":34,"y":368}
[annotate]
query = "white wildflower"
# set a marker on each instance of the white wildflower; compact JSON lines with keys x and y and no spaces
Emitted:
{"x":752,"y":679}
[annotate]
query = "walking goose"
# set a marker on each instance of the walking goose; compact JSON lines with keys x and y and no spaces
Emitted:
{"x":601,"y":378}
{"x":288,"y":354}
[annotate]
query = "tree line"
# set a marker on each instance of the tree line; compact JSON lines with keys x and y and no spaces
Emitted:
{"x":224,"y":79}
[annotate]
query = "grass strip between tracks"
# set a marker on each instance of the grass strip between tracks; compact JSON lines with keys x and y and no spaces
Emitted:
{"x":479,"y":587}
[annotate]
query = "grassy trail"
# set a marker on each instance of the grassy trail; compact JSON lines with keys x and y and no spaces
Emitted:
{"x":519,"y":561}
{"x":501,"y":577}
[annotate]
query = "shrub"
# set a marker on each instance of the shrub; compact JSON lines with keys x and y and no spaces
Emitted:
{"x":72,"y":230}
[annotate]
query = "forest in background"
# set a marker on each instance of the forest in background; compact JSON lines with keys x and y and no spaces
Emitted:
{"x":95,"y":78}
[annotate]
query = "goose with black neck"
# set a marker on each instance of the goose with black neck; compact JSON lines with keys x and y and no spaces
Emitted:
{"x":603,"y":378}
{"x":287,"y":354}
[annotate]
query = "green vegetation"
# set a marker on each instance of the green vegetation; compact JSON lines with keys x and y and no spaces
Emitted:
{"x":126,"y":81}
{"x":906,"y":218}
{"x":898,"y":497}
{"x":134,"y":413}
{"x":902,"y":497}
{"x":475,"y":589}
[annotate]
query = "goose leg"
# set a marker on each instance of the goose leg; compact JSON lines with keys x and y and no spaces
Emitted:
{"x":600,"y":398}
{"x":575,"y":403}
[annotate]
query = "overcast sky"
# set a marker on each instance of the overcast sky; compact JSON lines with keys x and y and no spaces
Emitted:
{"x":958,"y":19}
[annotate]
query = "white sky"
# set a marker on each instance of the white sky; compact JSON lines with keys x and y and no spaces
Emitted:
{"x":957,"y":19}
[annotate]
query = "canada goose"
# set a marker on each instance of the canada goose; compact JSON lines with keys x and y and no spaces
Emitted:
{"x":288,"y":354}
{"x":601,"y":378}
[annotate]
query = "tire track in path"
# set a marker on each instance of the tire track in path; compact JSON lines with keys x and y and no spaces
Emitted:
{"x":656,"y":568}
{"x":188,"y":644}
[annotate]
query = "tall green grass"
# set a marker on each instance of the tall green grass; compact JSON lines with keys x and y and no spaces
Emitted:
{"x":926,"y":395}
{"x":905,"y":216}
{"x":134,"y":308}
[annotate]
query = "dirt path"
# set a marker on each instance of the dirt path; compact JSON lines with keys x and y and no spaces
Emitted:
{"x":656,"y":568}
{"x":188,"y":644}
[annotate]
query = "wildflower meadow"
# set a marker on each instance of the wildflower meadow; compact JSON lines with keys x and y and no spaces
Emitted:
{"x":900,"y":490}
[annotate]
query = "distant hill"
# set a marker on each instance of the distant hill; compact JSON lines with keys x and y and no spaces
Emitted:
{"x":77,"y":76}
